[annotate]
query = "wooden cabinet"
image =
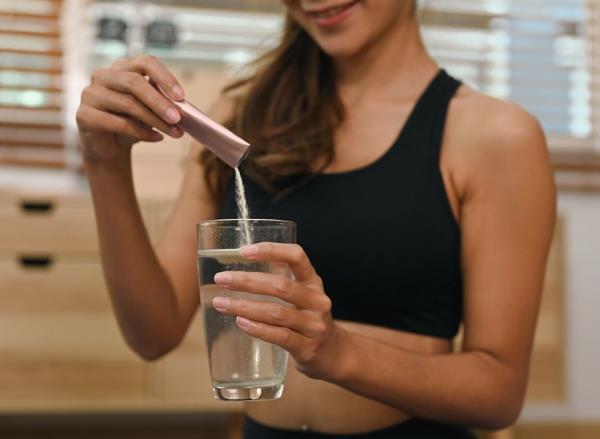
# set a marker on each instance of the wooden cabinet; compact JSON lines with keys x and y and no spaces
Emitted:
{"x":59,"y":342}
{"x":49,"y":282}
{"x":58,"y":337}
{"x":60,"y":346}
{"x":65,"y":357}
{"x":47,"y":224}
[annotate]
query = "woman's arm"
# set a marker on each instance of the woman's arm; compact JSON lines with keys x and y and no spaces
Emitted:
{"x":507,"y":220}
{"x":153,"y":292}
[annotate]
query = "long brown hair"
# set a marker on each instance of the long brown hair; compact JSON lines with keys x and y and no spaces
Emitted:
{"x":288,"y":111}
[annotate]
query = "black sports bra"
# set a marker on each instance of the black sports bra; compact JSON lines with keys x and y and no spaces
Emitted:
{"x":382,"y":237}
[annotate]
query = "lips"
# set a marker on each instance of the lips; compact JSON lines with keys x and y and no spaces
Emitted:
{"x":332,"y":15}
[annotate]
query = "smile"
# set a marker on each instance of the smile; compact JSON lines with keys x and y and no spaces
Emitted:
{"x":332,"y":15}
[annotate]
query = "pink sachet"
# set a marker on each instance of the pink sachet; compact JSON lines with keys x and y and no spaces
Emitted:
{"x":226,"y":145}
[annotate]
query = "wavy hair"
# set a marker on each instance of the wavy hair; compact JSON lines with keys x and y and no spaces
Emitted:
{"x":288,"y":110}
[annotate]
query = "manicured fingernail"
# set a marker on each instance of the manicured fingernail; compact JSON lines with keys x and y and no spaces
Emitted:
{"x":249,"y":250}
{"x":173,"y":115}
{"x":220,"y":303}
{"x":177,"y":92}
{"x":244,"y":323}
{"x":223,"y":277}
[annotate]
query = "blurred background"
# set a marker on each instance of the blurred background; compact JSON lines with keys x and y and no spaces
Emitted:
{"x":65,"y":371}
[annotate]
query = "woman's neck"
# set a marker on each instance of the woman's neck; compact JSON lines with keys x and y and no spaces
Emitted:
{"x":397,"y":63}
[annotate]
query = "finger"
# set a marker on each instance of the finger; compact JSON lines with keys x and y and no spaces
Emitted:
{"x":286,"y":338}
{"x":292,"y":254}
{"x":138,"y":86}
{"x":112,"y":101}
{"x":151,"y":66}
{"x":268,"y":284}
{"x":308,"y":297}
{"x":301,"y":321}
{"x":93,"y":119}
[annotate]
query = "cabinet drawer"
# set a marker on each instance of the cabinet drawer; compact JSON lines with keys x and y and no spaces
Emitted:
{"x":32,"y":223}
{"x":42,"y":282}
{"x":46,"y":223}
{"x":66,"y":356}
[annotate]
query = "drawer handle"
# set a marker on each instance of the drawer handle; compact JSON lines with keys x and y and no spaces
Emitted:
{"x":37,"y":206}
{"x":36,"y":261}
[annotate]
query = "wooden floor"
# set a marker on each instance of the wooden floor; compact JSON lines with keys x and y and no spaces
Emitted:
{"x":193,"y":427}
{"x":166,"y":433}
{"x":116,"y":427}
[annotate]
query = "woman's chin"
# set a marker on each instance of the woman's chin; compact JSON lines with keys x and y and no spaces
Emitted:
{"x":340,"y":49}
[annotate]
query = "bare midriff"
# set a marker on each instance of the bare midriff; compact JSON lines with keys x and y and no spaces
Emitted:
{"x":309,"y":404}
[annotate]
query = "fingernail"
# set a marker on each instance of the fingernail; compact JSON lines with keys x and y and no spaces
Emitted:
{"x":223,"y":278}
{"x":177,"y":92}
{"x":244,"y":323}
{"x":175,"y":132}
{"x":173,"y":115}
{"x":220,"y":303}
{"x":249,"y":250}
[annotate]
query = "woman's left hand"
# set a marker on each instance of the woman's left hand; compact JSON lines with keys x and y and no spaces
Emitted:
{"x":308,"y":331}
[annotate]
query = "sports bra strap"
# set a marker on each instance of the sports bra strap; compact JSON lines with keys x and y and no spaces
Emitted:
{"x":425,"y":127}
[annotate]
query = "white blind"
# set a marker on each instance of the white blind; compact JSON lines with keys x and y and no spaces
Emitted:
{"x":203,"y":33}
{"x":542,"y":54}
{"x":534,"y":52}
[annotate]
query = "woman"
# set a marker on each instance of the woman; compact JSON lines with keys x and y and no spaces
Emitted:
{"x":401,"y":235}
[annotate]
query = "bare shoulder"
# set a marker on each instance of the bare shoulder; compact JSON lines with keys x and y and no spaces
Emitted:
{"x":495,"y":125}
{"x":488,"y":136}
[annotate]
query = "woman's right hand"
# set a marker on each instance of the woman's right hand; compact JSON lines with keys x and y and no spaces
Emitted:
{"x":121,"y":107}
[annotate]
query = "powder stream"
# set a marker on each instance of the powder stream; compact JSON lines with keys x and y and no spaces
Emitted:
{"x":242,"y":207}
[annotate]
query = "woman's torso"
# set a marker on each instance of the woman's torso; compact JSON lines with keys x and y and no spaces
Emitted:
{"x":376,"y":200}
{"x":324,"y":407}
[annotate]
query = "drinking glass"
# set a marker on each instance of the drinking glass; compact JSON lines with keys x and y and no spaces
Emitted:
{"x":242,"y":367}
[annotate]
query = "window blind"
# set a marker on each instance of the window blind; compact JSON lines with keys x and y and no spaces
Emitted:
{"x":542,"y":54}
{"x":31,"y":119}
{"x":534,"y":52}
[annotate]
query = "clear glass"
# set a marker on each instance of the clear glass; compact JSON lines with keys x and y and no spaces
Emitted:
{"x":242,"y":368}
